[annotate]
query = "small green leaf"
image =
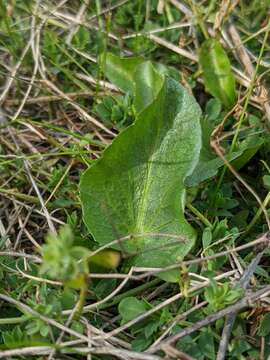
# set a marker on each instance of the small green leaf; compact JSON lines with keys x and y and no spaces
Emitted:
{"x":249,"y":147}
{"x":130,"y":307}
{"x":207,"y":237}
{"x":140,"y":78}
{"x":207,"y":345}
{"x":220,"y":295}
{"x":141,"y":343}
{"x":266,"y":181}
{"x":210,"y":292}
{"x":76,"y":282}
{"x":238,"y":347}
{"x":44,"y":330}
{"x":106,"y":259}
{"x":151,"y":328}
{"x":148,"y":84}
{"x":217,"y":73}
{"x":265,"y":326}
{"x":206,"y":169}
{"x":213,"y":109}
{"x":233,"y":295}
{"x":104,"y":287}
{"x":120,"y":71}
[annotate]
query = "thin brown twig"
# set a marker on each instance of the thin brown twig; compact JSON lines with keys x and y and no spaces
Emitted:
{"x":244,"y":58}
{"x":172,"y":352}
{"x":50,"y":98}
{"x":176,"y":320}
{"x":229,"y":322}
{"x":247,"y":301}
{"x":27,"y":309}
{"x":79,"y":16}
{"x":262,"y":239}
{"x":35,"y":35}
{"x":159,"y":307}
{"x":215,"y":145}
{"x":104,"y":84}
{"x":100,"y":350}
{"x":40,"y":198}
{"x":80,"y":110}
{"x":87,"y":308}
{"x":34,"y":258}
{"x":14,"y":71}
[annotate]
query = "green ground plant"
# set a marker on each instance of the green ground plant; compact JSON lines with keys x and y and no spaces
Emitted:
{"x":134,"y":187}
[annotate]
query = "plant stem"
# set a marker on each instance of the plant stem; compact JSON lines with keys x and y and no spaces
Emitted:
{"x":258,"y":214}
{"x":200,"y":20}
{"x":196,"y":212}
{"x":243,"y":113}
{"x":20,"y":196}
{"x":13,"y":320}
{"x":131,"y":292}
{"x":250,"y":89}
{"x":82,"y":297}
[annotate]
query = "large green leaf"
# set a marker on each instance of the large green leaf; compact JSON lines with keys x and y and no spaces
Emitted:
{"x":217,"y":73}
{"x":137,"y":187}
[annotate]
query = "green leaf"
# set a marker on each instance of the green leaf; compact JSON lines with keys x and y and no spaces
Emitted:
{"x":105,"y":287}
{"x":151,"y":328}
{"x":140,"y":343}
{"x":140,"y":78}
{"x":206,"y":169}
{"x":213,"y":109}
{"x":137,"y":187}
{"x":266,"y":181}
{"x":207,"y":345}
{"x":106,"y":259}
{"x":249,"y":147}
{"x":62,"y":260}
{"x":265,"y":326}
{"x":148,"y":84}
{"x":190,"y":347}
{"x":120,"y":71}
{"x":130,"y":307}
{"x":209,"y":163}
{"x":206,"y":237}
{"x":233,"y":295}
{"x":238,"y":347}
{"x":217,"y":73}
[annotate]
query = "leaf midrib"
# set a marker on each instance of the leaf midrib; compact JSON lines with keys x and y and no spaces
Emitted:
{"x":143,"y":202}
